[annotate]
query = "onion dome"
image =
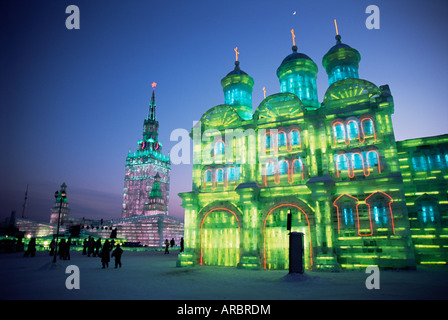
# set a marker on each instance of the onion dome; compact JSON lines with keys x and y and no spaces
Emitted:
{"x":297,"y":74}
{"x":237,"y":87}
{"x":341,"y":62}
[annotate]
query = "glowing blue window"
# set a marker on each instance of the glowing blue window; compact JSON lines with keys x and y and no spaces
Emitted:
{"x":352,"y":128}
{"x":380,"y":214}
{"x":219,"y":148}
{"x":357,"y":161}
{"x":219,"y":175}
{"x":283,"y":167}
{"x":268,"y":141}
{"x":233,"y":174}
{"x":208,"y":176}
{"x":269,"y":169}
{"x":367,"y":127}
{"x":341,"y":161}
{"x":295,"y":137}
{"x":348,"y":216}
{"x":428,"y":214}
{"x":419,"y":163}
{"x":339,"y":131}
{"x":372,"y":159}
{"x":281,"y":139}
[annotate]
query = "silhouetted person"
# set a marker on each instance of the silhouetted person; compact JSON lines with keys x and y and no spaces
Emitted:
{"x":31,"y":250}
{"x":167,"y":245}
{"x":117,"y":254}
{"x":182,"y":244}
{"x":67,"y":249}
{"x":61,"y":249}
{"x":85,"y":246}
{"x":52,"y":246}
{"x":97,"y":247}
{"x":105,"y":254}
{"x":172,"y":243}
{"x":91,"y":246}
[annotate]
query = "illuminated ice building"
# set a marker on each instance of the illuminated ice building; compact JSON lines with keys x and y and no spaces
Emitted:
{"x":359,"y":197}
{"x":145,"y":220}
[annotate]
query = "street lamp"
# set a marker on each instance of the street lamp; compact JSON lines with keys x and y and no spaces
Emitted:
{"x":61,"y":200}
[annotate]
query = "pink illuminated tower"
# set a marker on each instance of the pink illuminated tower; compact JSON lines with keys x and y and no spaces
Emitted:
{"x":144,"y":167}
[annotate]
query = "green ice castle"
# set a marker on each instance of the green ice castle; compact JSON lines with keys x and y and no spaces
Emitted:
{"x":360,"y":197}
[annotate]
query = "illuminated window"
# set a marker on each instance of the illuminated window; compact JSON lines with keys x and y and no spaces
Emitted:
{"x":219,"y":148}
{"x":268,"y":140}
{"x":352,"y":129}
{"x":357,"y":161}
{"x":341,"y":161}
{"x":428,"y":211}
{"x":269,"y":168}
{"x":380,"y":214}
{"x":428,"y":214}
{"x":419,"y":163}
{"x":367,"y":126}
{"x":281,"y":139}
{"x":295,"y":137}
{"x":208,"y":176}
{"x":339,"y":131}
{"x":283,"y":167}
{"x":347,"y":214}
{"x":233,"y":174}
{"x":219,"y":175}
{"x":372,"y":159}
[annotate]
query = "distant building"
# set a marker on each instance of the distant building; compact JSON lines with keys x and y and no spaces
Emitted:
{"x":145,"y":219}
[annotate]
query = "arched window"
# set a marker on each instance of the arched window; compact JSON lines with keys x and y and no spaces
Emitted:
{"x":281,"y":139}
{"x":373,"y":161}
{"x":357,"y":161}
{"x":283,"y":167}
{"x":219,"y":175}
{"x":269,"y":141}
{"x":232,"y":174}
{"x":339,"y":131}
{"x":341,"y":163}
{"x":219,"y":148}
{"x":294,"y":136}
{"x":208,"y":176}
{"x":367,"y":127}
{"x":352,"y":129}
{"x":269,"y":168}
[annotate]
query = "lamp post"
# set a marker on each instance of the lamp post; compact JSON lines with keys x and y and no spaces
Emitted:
{"x":61,"y":199}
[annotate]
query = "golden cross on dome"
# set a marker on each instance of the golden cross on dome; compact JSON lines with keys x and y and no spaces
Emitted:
{"x":293,"y":37}
{"x":336,"y":26}
{"x":236,"y":53}
{"x":264,"y":92}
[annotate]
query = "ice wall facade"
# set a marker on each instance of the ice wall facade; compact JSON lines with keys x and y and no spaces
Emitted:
{"x":334,"y":165}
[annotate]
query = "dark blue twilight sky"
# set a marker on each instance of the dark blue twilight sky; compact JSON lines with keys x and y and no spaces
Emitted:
{"x":73,"y":101}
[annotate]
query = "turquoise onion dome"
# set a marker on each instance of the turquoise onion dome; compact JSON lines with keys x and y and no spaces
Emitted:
{"x":341,"y":62}
{"x":297,"y":74}
{"x":237,"y":86}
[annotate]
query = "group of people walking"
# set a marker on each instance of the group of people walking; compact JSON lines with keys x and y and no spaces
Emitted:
{"x":92,"y":247}
{"x":95,"y":248}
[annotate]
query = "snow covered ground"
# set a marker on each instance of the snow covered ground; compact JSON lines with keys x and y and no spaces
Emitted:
{"x":154,"y":276}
